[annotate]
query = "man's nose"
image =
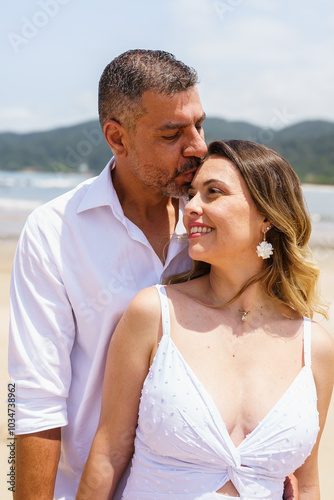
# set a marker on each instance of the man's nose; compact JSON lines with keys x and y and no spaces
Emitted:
{"x":196,"y":145}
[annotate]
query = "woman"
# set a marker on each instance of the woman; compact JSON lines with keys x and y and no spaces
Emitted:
{"x":227,"y":379}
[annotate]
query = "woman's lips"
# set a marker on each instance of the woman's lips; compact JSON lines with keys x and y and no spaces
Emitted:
{"x":198,"y":229}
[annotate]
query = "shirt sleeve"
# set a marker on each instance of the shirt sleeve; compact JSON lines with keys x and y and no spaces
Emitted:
{"x":42,"y":330}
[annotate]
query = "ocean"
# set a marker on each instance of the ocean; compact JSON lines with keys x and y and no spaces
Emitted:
{"x":21,"y":192}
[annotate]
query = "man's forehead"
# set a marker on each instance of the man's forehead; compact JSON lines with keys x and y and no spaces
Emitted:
{"x":170,"y":112}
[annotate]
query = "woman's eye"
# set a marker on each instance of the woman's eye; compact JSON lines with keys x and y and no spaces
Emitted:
{"x":188,"y":197}
{"x":214,"y":191}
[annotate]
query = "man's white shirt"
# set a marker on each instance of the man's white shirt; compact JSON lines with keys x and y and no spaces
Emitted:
{"x":78,"y":264}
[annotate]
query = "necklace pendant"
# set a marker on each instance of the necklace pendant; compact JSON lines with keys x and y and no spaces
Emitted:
{"x":244,"y":315}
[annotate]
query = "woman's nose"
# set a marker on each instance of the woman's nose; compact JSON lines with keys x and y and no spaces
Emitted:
{"x":193,"y":206}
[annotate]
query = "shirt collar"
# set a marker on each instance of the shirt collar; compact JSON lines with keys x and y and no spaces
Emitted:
{"x":100,"y":191}
{"x":180,"y":230}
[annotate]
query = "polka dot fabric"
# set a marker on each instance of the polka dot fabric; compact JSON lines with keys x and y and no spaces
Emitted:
{"x":182,"y":447}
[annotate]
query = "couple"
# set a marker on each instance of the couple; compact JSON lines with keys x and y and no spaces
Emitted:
{"x":83,"y":257}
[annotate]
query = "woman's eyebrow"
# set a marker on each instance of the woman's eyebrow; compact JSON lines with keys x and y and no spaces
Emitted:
{"x":209,"y":181}
{"x":213,"y":180}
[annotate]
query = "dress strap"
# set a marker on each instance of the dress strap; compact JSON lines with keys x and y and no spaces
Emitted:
{"x":164,"y":310}
{"x":307,"y":323}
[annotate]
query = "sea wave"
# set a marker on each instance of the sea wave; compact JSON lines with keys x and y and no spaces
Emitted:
{"x":40,"y":180}
{"x":14,"y":205}
{"x":22,"y":192}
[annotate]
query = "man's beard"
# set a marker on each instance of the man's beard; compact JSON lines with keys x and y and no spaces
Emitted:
{"x":156,"y":178}
{"x":172,"y":188}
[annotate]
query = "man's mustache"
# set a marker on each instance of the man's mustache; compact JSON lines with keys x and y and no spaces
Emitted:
{"x":190,"y":165}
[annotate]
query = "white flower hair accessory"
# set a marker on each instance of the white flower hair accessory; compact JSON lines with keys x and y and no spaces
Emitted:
{"x":264,"y":249}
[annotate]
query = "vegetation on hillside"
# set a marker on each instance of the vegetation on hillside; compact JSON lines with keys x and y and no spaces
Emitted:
{"x":308,"y":146}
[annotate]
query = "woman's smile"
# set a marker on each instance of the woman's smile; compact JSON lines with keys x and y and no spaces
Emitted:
{"x":198,"y":229}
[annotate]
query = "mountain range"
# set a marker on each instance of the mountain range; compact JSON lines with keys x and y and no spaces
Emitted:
{"x":308,"y":146}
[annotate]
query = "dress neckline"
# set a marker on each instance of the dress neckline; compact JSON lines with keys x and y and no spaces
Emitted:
{"x":206,"y":394}
{"x":212,"y":405}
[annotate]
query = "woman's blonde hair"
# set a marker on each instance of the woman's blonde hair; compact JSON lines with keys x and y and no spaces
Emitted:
{"x":290,"y":275}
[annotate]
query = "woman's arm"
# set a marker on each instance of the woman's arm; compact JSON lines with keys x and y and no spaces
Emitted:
{"x":323,"y":371}
{"x":131,"y":350}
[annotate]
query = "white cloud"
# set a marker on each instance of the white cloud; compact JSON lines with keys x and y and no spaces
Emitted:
{"x":15,"y":113}
{"x":16,"y":118}
{"x":85,"y":102}
{"x":256,"y":56}
{"x":252,"y":64}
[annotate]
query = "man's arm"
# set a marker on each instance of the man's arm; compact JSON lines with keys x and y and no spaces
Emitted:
{"x":42,"y":332}
{"x":291,"y":491}
{"x":36,"y":465}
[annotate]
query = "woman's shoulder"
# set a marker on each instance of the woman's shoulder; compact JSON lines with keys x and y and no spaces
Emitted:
{"x":144,"y":299}
{"x":144,"y":306}
{"x":322,"y":349}
{"x":322,"y":340}
{"x":146,"y":303}
{"x":192,"y":289}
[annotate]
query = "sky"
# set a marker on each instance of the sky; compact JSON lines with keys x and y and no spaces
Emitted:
{"x":268,"y":62}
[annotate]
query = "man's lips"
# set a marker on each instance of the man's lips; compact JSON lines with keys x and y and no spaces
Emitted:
{"x":188,"y":175}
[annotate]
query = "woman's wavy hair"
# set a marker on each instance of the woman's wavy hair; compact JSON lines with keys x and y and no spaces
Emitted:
{"x":291,"y":275}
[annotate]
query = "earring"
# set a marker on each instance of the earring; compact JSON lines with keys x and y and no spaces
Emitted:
{"x":265,"y":249}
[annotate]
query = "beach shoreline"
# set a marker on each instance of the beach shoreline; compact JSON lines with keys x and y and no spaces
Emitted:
{"x":325,"y":258}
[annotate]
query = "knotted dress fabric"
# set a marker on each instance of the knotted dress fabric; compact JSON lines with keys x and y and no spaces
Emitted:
{"x":183,"y":449}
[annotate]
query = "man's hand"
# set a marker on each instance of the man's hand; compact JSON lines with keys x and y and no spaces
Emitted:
{"x":291,"y":491}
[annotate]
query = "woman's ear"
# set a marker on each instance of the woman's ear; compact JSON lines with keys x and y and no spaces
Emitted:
{"x":115,"y":135}
{"x":266,"y":226}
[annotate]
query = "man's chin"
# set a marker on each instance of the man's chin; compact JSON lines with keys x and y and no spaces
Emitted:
{"x":177,"y":191}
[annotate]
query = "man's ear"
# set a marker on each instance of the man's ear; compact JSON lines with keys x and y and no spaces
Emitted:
{"x":115,"y":135}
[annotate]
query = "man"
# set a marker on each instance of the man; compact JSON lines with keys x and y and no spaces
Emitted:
{"x":82,"y":257}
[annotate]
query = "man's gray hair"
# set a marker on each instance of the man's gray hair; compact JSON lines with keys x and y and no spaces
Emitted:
{"x":128,"y":76}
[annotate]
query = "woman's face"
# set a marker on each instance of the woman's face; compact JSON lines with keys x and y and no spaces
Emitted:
{"x":222,"y":221}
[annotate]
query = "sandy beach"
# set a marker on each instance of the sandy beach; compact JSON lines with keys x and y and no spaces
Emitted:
{"x":325,"y":258}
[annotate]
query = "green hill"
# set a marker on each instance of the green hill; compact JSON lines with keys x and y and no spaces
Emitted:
{"x":308,"y":146}
{"x":65,"y":149}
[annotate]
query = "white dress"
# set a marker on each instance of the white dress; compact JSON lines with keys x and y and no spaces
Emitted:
{"x":183,"y":449}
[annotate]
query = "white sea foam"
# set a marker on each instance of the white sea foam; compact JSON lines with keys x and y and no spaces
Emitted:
{"x":16,"y":206}
{"x":22,"y":192}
